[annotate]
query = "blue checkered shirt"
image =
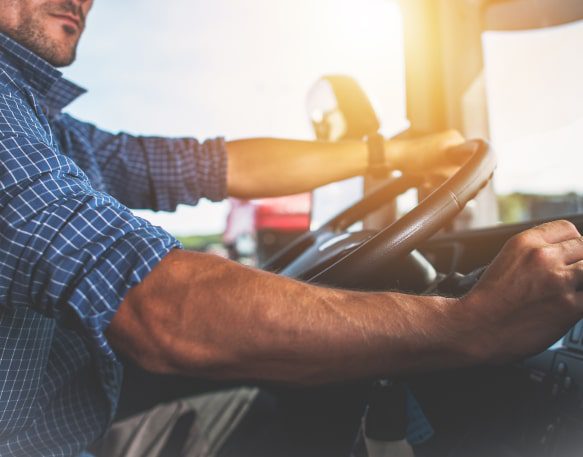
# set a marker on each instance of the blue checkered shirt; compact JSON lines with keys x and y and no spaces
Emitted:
{"x":71,"y":249}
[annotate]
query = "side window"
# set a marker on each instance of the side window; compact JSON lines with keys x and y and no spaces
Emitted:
{"x":534,"y":85}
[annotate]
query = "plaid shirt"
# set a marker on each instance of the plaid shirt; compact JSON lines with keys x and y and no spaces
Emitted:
{"x":71,"y":250}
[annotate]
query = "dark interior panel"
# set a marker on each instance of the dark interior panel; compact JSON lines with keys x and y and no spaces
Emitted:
{"x":465,"y":251}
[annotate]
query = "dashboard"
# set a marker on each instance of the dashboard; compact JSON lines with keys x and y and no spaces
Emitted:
{"x":557,"y":375}
{"x":530,"y":409}
{"x":533,"y":409}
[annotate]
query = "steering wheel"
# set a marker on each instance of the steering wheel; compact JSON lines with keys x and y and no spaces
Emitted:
{"x":366,"y":259}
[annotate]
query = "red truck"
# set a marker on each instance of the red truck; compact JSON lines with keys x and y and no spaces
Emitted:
{"x":258,"y":229}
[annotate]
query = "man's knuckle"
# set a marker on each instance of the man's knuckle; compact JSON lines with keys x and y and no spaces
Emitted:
{"x":520,"y":241}
{"x":561,"y":280}
{"x":541,"y":256}
{"x":568,"y":300}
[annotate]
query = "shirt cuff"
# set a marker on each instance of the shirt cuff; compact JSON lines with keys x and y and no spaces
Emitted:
{"x":126,"y":264}
{"x":98,"y":297}
{"x":211,"y":165}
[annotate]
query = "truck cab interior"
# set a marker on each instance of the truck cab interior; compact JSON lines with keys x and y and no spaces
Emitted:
{"x":508,"y":75}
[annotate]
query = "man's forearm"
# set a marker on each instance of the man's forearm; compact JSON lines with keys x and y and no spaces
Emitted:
{"x":266,"y":167}
{"x":200,"y":315}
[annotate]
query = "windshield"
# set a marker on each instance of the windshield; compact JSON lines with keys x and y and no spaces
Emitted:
{"x":236,"y":69}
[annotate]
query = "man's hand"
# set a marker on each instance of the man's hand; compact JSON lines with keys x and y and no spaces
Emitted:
{"x":430,"y":153}
{"x":529,"y":296}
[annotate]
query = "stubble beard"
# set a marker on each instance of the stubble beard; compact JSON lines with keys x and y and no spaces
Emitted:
{"x":31,"y":33}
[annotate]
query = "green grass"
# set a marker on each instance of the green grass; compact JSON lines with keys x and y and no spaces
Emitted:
{"x":199,"y":241}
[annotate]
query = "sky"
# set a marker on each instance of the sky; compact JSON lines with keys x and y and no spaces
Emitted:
{"x":231,"y":68}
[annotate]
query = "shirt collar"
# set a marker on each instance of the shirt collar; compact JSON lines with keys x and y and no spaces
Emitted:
{"x":56,"y":91}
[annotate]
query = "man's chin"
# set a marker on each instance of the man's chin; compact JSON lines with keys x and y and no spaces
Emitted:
{"x":58,"y":54}
{"x":57,"y":48}
{"x":56,"y":58}
{"x":61,"y":51}
{"x":62,"y":62}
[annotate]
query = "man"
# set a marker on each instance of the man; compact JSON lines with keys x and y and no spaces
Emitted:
{"x":82,"y":280}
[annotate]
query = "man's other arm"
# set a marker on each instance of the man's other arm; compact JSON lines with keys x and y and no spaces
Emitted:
{"x":200,"y":315}
{"x":161,"y":173}
{"x":268,"y":167}
{"x":147,"y":172}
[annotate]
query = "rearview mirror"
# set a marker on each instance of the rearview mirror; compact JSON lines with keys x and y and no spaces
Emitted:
{"x":340,"y":110}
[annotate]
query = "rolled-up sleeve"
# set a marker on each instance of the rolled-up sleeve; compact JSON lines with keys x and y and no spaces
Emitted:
{"x":68,"y":251}
{"x":148,"y":172}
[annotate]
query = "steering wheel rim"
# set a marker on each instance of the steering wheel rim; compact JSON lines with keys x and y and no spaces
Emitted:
{"x":404,"y":235}
{"x":393,"y":187}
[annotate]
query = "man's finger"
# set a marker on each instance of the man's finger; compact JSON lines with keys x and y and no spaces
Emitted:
{"x":457,"y":155}
{"x":576,"y":271}
{"x":438,"y":176}
{"x":556,"y":231}
{"x":572,"y":250}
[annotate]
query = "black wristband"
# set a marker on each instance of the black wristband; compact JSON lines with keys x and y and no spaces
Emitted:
{"x":377,"y":162}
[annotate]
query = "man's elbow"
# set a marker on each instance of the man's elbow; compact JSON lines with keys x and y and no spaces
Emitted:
{"x":148,"y":330}
{"x":136,"y":334}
